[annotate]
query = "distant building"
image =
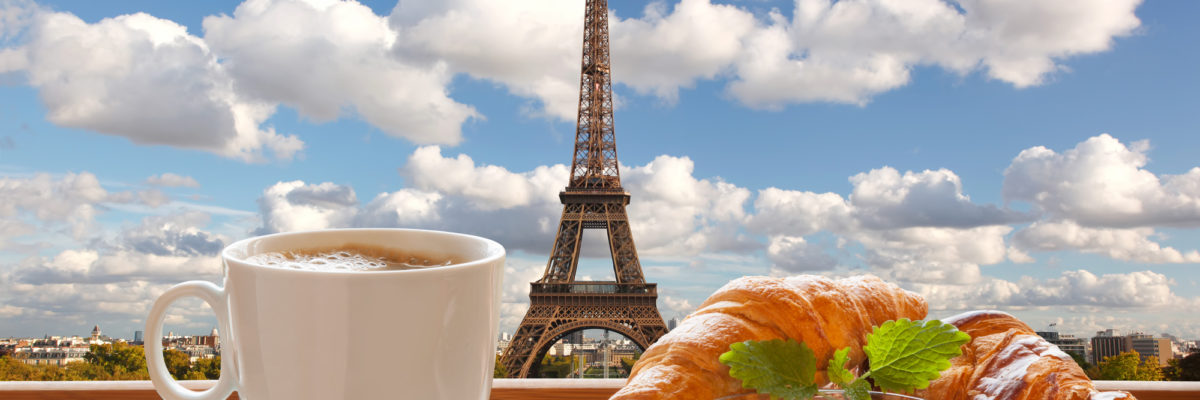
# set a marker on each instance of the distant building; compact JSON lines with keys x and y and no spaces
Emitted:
{"x":196,"y":352}
{"x":1109,"y":345}
{"x":1148,"y":345}
{"x":501,"y":345}
{"x":1067,"y":342}
{"x":674,"y":322}
{"x":137,"y":337}
{"x":59,"y":356}
{"x":574,"y":337}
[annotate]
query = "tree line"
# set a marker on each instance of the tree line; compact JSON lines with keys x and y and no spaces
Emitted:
{"x":1129,"y":366}
{"x":110,"y":362}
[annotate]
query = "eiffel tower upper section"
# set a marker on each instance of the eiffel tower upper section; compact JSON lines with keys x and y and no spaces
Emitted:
{"x":594,"y":166}
{"x":594,"y":196}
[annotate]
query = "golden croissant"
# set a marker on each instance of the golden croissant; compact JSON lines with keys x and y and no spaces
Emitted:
{"x":825,"y":314}
{"x":1005,"y":359}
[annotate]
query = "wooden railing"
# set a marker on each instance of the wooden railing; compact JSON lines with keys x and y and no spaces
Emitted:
{"x":503,"y":389}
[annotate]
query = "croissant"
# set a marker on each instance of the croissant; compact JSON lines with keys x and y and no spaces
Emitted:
{"x":1006,"y":359}
{"x":825,"y":314}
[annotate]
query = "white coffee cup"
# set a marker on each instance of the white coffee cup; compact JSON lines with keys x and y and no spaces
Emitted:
{"x":299,"y":334}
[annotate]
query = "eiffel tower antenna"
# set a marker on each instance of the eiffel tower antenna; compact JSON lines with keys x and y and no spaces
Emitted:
{"x":593,"y":199}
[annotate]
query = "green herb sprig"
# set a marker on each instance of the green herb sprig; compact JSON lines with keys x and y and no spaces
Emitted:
{"x":904,"y":355}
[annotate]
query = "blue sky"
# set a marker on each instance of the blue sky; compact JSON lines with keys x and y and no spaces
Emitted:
{"x":1035,"y":158}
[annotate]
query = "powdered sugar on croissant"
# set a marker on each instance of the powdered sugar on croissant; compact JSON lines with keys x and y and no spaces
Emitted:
{"x":1007,"y":360}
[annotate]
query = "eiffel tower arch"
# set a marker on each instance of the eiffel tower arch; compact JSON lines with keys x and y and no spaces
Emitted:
{"x":593,"y":199}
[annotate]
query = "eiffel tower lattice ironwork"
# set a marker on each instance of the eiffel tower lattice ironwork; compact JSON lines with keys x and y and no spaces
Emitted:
{"x":593,"y":199}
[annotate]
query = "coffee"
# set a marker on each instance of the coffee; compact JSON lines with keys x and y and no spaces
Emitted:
{"x":351,"y":257}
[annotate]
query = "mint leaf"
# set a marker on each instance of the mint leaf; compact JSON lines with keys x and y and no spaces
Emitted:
{"x":784,"y":369}
{"x":906,"y":355}
{"x":859,"y":390}
{"x":837,"y":371}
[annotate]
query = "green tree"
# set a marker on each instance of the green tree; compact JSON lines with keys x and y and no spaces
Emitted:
{"x":13,"y":369}
{"x":119,"y":361}
{"x":1080,"y":360}
{"x":1171,"y":371}
{"x":556,"y":366}
{"x":1189,"y":368}
{"x":86,"y":371}
{"x":178,"y":363}
{"x":501,"y":371}
{"x":206,"y":368}
{"x":116,"y":361}
{"x":1128,"y":366}
{"x":628,"y":362}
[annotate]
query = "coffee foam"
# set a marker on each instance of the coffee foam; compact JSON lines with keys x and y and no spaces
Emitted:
{"x":349,"y":258}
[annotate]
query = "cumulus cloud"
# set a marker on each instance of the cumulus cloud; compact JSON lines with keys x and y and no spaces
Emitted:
{"x":532,"y":47}
{"x":145,"y":79}
{"x":666,"y":50}
{"x":178,"y":234}
{"x":297,"y":206}
{"x":487,"y":186}
{"x":153,"y":197}
{"x":1078,"y":288}
{"x":675,"y":305}
{"x":845,"y":51}
{"x":848,"y":51}
{"x":325,"y":58}
{"x":148,"y":80}
{"x":916,"y":226}
{"x":790,"y":254}
{"x":674,"y":212}
{"x":883,"y":198}
{"x":1103,"y":183}
{"x":1133,"y":244}
{"x":73,"y":199}
{"x":113,"y":277}
{"x":172,"y":180}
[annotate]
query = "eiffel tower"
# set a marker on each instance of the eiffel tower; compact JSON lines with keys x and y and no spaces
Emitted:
{"x":593,"y":199}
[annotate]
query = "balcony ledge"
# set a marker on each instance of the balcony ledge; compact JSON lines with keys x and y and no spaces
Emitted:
{"x":503,"y":389}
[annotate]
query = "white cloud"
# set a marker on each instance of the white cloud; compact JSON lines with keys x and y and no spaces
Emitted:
{"x":845,"y":51}
{"x":674,"y":212}
{"x":1131,"y":244}
{"x":172,"y":180}
{"x":325,"y":58}
{"x":487,"y":186}
{"x":404,"y":207}
{"x":297,"y":206}
{"x":779,"y":211}
{"x":114,"y":276}
{"x":884,"y":199}
{"x":666,"y":50}
{"x":7,"y":311}
{"x":72,"y":199}
{"x":790,"y":254}
{"x":1102,"y":183}
{"x":848,"y":51}
{"x":676,"y":305}
{"x":153,"y":197}
{"x":179,"y":234}
{"x":518,"y":273}
{"x":533,"y":47}
{"x":145,"y":79}
{"x":1078,"y":288}
{"x":148,"y":80}
{"x":914,"y":227}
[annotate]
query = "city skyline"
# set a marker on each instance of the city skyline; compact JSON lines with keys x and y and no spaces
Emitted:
{"x":1046,"y":168}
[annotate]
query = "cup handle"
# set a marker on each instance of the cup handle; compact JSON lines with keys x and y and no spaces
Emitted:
{"x":164,"y":384}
